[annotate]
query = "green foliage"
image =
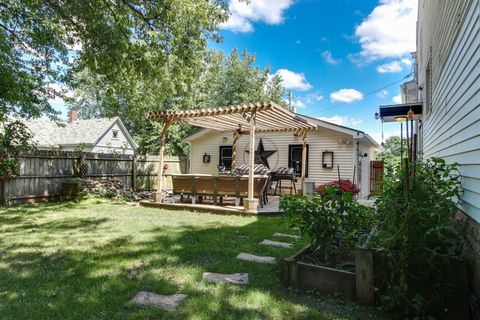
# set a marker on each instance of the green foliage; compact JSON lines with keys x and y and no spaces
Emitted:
{"x":14,"y":137}
{"x":71,"y":182}
{"x":391,"y":155}
{"x":416,"y":212}
{"x":225,"y":80}
{"x":334,"y":220}
{"x":132,"y":48}
{"x":234,"y":79}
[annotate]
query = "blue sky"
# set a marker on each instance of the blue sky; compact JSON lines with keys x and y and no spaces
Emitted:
{"x":335,"y":56}
{"x":331,"y":54}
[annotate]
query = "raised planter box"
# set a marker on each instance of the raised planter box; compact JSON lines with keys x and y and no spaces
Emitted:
{"x":366,"y":283}
{"x":325,"y":280}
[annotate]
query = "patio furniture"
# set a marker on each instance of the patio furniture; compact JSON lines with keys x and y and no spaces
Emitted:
{"x":217,"y":187}
{"x":287,"y":174}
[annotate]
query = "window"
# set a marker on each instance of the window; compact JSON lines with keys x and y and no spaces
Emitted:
{"x":115,"y":134}
{"x":295,"y":159}
{"x":225,"y":158}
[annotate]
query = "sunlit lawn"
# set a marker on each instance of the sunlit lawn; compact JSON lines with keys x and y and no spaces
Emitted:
{"x":87,"y":260}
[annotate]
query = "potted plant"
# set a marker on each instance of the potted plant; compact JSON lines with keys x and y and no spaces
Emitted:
{"x":335,"y":223}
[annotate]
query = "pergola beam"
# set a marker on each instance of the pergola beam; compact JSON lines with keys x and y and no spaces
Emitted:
{"x":163,"y":133}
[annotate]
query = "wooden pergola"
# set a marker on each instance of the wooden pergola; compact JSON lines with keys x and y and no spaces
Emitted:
{"x":246,"y":119}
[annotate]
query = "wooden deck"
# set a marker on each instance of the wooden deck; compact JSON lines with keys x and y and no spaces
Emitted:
{"x":228,"y":207}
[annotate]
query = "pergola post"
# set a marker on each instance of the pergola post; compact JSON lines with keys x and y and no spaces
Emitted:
{"x":251,"y":204}
{"x":159,"y":194}
{"x":304,"y":159}
{"x":236,"y":136}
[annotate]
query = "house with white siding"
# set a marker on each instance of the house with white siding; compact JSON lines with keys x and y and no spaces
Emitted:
{"x":103,"y":135}
{"x":351,"y":151}
{"x":447,"y":102}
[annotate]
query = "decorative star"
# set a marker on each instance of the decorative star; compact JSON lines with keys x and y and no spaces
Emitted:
{"x":261,"y":155}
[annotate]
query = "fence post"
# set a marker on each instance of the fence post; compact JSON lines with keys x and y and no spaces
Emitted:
{"x":134,"y":173}
{"x":3,"y":195}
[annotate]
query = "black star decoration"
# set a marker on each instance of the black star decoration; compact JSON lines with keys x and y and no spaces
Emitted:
{"x":261,"y":155}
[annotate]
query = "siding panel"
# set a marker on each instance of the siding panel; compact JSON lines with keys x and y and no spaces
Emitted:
{"x":451,"y":130}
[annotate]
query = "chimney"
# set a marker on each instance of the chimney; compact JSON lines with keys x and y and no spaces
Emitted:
{"x":72,"y":116}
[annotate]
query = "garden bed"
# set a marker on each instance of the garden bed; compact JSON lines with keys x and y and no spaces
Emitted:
{"x":326,"y":280}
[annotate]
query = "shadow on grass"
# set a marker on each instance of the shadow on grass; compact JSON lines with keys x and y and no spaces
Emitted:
{"x":98,"y":281}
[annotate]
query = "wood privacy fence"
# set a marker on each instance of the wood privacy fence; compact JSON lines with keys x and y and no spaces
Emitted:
{"x":42,"y":173}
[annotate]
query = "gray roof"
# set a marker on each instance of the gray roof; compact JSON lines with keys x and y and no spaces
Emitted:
{"x":54,"y":134}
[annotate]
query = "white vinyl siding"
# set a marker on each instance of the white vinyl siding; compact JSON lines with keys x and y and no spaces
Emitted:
{"x":319,"y":141}
{"x":451,"y":129}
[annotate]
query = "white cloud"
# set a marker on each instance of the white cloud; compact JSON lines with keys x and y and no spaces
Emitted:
{"x":346,"y":95}
{"x":397,"y":99}
{"x":293,"y":80}
{"x":389,"y":30}
{"x":377,"y":136}
{"x":244,"y":13}
{"x":390,"y":67}
{"x":382,"y":94}
{"x":313,"y":97}
{"x":342,"y":120}
{"x":298,"y":104}
{"x":328,"y":58}
{"x":407,"y":61}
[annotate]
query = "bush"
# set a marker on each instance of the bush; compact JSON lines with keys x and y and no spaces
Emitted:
{"x":343,"y":184}
{"x":333,"y":219}
{"x":416,"y":221}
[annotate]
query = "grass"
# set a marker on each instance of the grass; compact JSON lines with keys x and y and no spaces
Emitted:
{"x":86,"y":260}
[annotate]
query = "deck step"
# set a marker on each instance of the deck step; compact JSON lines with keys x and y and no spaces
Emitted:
{"x":278,"y":244}
{"x":260,"y":259}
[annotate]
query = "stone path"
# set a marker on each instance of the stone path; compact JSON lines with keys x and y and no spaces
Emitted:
{"x":235,"y":278}
{"x":284,"y":235}
{"x":169,"y":303}
{"x":260,"y":259}
{"x":276,"y":244}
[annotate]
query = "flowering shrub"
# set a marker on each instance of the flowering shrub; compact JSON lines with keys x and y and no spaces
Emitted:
{"x":340,"y":185}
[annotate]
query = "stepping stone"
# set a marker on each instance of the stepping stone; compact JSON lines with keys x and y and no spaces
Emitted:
{"x":260,"y":259}
{"x":276,"y":244}
{"x":236,"y":278}
{"x":278,"y":234}
{"x":169,"y":303}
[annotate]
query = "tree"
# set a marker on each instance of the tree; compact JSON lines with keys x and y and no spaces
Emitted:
{"x":391,"y":155}
{"x":226,"y":80}
{"x":131,"y":47}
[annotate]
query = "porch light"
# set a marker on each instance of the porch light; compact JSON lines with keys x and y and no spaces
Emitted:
{"x":410,"y":114}
{"x":400,"y":118}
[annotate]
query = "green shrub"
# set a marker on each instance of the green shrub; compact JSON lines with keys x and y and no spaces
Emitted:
{"x":416,"y":222}
{"x":334,"y":220}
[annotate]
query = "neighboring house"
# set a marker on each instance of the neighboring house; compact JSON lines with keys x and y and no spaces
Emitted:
{"x":352,"y":152}
{"x":94,"y":135}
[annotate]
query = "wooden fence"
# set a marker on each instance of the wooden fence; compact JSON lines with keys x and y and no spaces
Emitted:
{"x":42,"y":173}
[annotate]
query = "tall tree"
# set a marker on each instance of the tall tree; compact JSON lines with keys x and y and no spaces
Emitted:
{"x":390,"y":154}
{"x":132,"y":47}
{"x":225,"y":80}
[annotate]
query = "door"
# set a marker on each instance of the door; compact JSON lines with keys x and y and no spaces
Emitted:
{"x":295,"y":159}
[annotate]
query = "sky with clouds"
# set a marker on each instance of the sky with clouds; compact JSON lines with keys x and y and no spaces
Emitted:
{"x":338,"y":57}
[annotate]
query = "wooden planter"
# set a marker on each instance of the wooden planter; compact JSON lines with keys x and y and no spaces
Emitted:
{"x":325,"y":280}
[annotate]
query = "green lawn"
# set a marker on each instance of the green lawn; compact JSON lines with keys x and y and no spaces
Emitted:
{"x":86,"y":260}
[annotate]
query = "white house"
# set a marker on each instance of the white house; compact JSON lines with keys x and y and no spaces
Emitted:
{"x":104,"y":135}
{"x":446,"y":98}
{"x":351,"y":151}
